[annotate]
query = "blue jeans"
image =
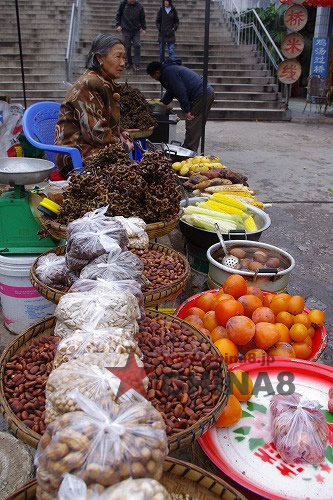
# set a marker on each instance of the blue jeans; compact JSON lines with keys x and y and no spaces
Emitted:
{"x":171,"y":49}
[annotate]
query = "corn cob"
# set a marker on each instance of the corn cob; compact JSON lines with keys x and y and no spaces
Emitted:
{"x":220,"y":207}
{"x":248,"y":198}
{"x":228,"y":200}
{"x":228,"y":187}
{"x":249,"y":224}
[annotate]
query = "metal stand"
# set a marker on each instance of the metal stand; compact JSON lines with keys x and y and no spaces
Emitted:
{"x":21,"y":52}
{"x":205,"y":76}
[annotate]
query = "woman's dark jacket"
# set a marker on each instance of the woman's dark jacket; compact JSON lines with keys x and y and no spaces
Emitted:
{"x":167,"y":24}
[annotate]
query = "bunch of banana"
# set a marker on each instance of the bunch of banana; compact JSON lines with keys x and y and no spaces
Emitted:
{"x":196,"y":165}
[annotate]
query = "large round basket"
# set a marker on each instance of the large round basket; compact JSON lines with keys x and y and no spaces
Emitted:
{"x":45,"y":328}
{"x":151,"y":297}
{"x":154,"y":230}
{"x":178,"y":477}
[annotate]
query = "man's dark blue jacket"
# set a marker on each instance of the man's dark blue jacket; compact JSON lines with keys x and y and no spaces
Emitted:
{"x":182,"y":83}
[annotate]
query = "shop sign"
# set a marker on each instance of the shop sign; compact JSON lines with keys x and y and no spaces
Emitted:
{"x":320,"y":54}
{"x":292,"y":45}
{"x":295,"y":18}
{"x":289,"y":71}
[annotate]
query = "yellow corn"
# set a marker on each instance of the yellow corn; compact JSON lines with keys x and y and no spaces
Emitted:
{"x":228,"y":200}
{"x":249,"y":224}
{"x":248,"y":198}
{"x":228,"y":187}
{"x":220,"y":207}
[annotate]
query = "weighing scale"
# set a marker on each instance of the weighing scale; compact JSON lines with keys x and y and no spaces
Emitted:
{"x":19,"y":219}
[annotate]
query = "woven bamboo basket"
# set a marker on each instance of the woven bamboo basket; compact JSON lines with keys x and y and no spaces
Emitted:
{"x":151,"y":297}
{"x":178,"y":477}
{"x":44,"y":328}
{"x":154,"y":230}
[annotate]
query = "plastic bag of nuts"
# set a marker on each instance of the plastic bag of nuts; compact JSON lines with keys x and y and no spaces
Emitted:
{"x":114,"y":267}
{"x":116,"y":309}
{"x":299,"y":429}
{"x":95,"y":219}
{"x":101,"y":444}
{"x":139,"y":489}
{"x":105,"y":286}
{"x":91,"y":340}
{"x":51,"y":269}
{"x":91,"y":375}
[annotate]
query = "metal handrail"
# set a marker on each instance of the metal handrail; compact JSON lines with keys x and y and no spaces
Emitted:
{"x":268,"y":35}
{"x":73,"y":38}
{"x":247,"y":28}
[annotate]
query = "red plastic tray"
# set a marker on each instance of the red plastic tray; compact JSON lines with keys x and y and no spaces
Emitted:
{"x":319,"y":341}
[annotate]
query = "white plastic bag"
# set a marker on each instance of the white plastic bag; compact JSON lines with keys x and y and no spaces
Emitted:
{"x":117,"y":309}
{"x":115,"y":267}
{"x":90,"y":373}
{"x":299,"y":429}
{"x":52,"y":270}
{"x":10,"y":129}
{"x":102,"y":286}
{"x":91,"y":340}
{"x":104,"y":444}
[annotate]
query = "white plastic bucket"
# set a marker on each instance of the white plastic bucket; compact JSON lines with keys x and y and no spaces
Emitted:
{"x":22,"y":305}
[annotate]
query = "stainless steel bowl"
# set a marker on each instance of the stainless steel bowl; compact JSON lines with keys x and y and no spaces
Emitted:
{"x":275,"y":282}
{"x":21,"y":171}
{"x":204,"y":239}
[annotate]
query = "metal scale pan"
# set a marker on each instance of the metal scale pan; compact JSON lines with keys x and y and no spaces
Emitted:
{"x":21,"y":171}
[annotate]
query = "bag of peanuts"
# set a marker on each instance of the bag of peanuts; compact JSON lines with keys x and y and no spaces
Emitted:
{"x":88,"y":339}
{"x":52,"y":270}
{"x":103,"y":286}
{"x":130,"y":489}
{"x":299,"y":429}
{"x":90,"y":373}
{"x":115,"y":267}
{"x":103,"y":444}
{"x":116,"y":309}
{"x":135,"y":229}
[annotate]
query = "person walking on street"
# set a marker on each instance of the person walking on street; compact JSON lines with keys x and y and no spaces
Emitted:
{"x":131,"y":21}
{"x":167,"y":23}
{"x":187,"y":87}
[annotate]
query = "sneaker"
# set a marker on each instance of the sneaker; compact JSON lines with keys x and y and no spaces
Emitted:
{"x":136,"y":68}
{"x":128,"y":66}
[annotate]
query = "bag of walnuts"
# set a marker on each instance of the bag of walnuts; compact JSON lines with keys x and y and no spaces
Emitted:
{"x":90,"y":374}
{"x":103,"y":444}
{"x":73,"y":487}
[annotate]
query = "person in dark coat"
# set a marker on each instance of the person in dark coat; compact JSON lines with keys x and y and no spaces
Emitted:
{"x":131,"y":21}
{"x":167,"y":23}
{"x":187,"y":87}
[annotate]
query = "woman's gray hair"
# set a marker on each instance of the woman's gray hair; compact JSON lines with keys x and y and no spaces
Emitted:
{"x":101,"y":46}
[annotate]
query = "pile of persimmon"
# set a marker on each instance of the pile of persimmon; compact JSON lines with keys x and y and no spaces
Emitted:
{"x":241,"y":387}
{"x":241,"y":319}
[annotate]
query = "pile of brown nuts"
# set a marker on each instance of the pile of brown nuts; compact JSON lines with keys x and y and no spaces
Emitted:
{"x":160,"y":268}
{"x":26,"y":374}
{"x":185,"y":378}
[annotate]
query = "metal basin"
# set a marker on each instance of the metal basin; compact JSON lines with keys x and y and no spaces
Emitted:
{"x":275,"y":282}
{"x":21,"y":171}
{"x":204,"y":239}
{"x":176,"y":153}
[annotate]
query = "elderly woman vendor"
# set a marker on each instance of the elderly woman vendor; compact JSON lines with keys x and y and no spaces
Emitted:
{"x":89,"y":117}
